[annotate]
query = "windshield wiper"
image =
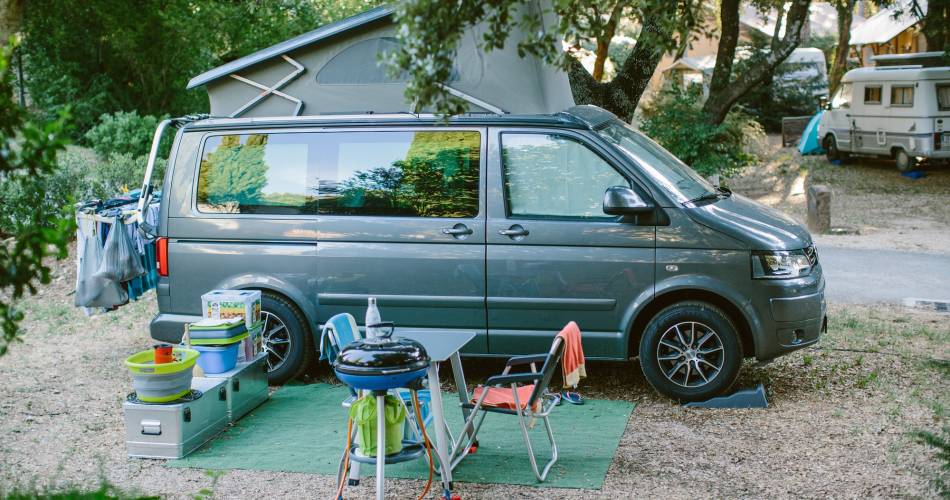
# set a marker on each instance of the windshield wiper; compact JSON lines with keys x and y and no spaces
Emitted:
{"x":721,"y":192}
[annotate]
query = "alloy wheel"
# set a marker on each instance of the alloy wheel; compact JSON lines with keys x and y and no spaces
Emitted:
{"x":690,"y":354}
{"x":276,"y":340}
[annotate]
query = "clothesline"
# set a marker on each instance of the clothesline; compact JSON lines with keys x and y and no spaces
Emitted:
{"x":108,"y":219}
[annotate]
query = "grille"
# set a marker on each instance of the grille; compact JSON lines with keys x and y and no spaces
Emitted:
{"x":812,"y":255}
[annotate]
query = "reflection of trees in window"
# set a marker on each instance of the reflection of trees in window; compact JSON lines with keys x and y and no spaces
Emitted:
{"x":234,"y":174}
{"x":438,"y":178}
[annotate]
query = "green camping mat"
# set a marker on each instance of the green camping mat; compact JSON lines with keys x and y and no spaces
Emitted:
{"x":302,"y":428}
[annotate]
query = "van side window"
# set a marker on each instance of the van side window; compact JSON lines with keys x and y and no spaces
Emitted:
{"x":256,"y":174}
{"x":902,"y":95}
{"x":872,"y":94}
{"x":401,"y":174}
{"x":943,"y":96}
{"x":842,"y":98}
{"x":551,"y":176}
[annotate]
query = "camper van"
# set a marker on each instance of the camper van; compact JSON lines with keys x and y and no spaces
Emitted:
{"x":899,"y":112}
{"x":316,"y":183}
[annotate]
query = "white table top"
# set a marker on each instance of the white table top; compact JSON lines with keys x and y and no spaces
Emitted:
{"x":440,"y":345}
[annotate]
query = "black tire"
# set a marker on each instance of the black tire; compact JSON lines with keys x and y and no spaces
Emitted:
{"x":289,"y":345}
{"x":666,"y":368}
{"x":832,"y":152}
{"x":904,"y":161}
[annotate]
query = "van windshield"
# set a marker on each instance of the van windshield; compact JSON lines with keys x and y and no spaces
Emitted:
{"x":679,"y":181}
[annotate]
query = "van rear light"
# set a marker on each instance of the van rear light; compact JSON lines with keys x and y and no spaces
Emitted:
{"x":937,"y":136}
{"x":161,"y":244}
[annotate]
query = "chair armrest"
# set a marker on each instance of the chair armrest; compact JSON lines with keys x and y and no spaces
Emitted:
{"x":526,"y":360}
{"x":514,"y":378}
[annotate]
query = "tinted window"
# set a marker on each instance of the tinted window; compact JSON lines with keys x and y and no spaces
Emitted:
{"x":553,"y":176}
{"x":256,"y":174}
{"x":410,"y":174}
{"x":902,"y":96}
{"x":872,"y":95}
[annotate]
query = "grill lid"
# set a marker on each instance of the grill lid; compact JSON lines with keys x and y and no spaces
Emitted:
{"x":381,"y":355}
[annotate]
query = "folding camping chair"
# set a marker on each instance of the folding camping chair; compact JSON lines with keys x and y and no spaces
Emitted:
{"x":525,"y":396}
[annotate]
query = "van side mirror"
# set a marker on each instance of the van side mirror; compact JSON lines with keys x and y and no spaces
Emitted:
{"x":622,"y":200}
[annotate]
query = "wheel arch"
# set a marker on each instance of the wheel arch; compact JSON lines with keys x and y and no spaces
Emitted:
{"x":671,"y":296}
{"x":278,"y":287}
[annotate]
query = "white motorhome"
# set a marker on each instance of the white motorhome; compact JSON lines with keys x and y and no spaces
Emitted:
{"x":900,"y":112}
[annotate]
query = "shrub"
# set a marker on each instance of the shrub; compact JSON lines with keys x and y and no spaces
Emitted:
{"x":123,"y":172}
{"x":125,"y":133}
{"x":675,"y":120}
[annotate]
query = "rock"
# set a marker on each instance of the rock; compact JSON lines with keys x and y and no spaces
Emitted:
{"x":819,"y":209}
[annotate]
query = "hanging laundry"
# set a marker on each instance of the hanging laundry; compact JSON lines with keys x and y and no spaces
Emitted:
{"x":93,"y":291}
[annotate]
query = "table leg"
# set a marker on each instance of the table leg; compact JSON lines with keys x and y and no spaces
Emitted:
{"x":380,"y":446}
{"x":464,"y":398}
{"x":441,"y":443}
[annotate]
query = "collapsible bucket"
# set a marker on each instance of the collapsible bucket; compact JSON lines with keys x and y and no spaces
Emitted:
{"x":217,"y":359}
{"x":161,"y":383}
{"x":363,"y":411}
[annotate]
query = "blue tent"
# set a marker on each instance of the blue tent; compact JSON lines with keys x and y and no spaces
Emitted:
{"x":809,"y":143}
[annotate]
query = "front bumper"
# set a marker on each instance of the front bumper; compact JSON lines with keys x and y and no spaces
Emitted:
{"x":792,"y":314}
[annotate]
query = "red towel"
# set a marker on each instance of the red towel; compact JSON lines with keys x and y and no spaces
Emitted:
{"x":572,"y":362}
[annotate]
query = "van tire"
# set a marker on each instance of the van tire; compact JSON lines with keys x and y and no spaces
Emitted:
{"x":904,"y":161}
{"x":831,"y":150}
{"x":721,"y":364}
{"x":300,"y":353}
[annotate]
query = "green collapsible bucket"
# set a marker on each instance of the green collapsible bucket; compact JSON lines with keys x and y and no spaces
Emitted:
{"x":363,"y":411}
{"x":163,"y":382}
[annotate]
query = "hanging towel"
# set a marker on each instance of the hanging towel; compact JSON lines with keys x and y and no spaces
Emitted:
{"x":572,"y":362}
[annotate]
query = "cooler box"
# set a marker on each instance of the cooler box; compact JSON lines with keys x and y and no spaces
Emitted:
{"x":246,"y":386}
{"x":226,"y":304}
{"x":173,"y":430}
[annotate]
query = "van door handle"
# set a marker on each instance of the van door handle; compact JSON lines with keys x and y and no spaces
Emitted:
{"x":515,"y":232}
{"x":458,"y":231}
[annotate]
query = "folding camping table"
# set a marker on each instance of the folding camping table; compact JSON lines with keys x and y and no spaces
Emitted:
{"x":442,"y":346}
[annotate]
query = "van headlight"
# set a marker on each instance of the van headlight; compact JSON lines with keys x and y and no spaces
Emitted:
{"x":779,"y":264}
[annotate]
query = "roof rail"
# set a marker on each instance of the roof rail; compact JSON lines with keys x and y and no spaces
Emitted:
{"x":905,"y":66}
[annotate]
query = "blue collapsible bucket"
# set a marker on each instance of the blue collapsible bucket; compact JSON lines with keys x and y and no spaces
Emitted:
{"x":217,"y":359}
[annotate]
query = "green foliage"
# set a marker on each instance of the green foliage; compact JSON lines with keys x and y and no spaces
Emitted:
{"x":676,"y":120}
{"x":105,"y":491}
{"x":235,"y":173}
{"x":28,"y":152}
{"x":125,"y":133}
{"x":102,"y":56}
{"x":431,"y":30}
{"x":120,"y":173}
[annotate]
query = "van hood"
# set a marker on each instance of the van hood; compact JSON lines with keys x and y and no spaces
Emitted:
{"x":758,"y":226}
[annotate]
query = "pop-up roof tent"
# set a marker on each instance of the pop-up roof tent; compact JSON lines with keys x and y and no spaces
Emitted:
{"x":336,"y":69}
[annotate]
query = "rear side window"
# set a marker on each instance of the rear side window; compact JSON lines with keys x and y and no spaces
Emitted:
{"x":257,"y":174}
{"x":401,"y":174}
{"x":551,"y":176}
{"x":872,"y":94}
{"x":902,"y":95}
{"x":943,"y":96}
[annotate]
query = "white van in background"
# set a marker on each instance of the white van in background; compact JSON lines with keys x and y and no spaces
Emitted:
{"x":901,"y":112}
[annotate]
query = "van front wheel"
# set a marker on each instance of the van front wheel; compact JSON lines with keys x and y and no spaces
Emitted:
{"x":285,"y":339}
{"x":904,"y":161}
{"x":690,"y":351}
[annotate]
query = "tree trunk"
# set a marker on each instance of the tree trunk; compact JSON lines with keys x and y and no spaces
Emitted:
{"x":11,"y":17}
{"x":845,"y":9}
{"x":621,"y":95}
{"x":603,"y":41}
{"x":726,"y":92}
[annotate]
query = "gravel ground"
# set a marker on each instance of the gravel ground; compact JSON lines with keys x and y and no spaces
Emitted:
{"x":838,"y":425}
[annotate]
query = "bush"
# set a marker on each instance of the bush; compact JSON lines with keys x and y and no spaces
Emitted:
{"x":675,"y":120}
{"x":125,"y":133}
{"x":48,"y":194}
{"x":120,"y":173}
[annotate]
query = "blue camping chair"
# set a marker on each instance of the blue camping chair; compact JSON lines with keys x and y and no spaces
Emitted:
{"x":342,"y":329}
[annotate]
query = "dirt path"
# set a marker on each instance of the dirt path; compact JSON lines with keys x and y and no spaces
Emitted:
{"x":837,"y":426}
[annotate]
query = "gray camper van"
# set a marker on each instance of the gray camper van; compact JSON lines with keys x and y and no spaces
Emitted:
{"x":506,"y":225}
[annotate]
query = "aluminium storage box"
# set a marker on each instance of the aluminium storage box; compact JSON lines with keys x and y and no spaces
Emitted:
{"x":176,"y":429}
{"x":246,"y":386}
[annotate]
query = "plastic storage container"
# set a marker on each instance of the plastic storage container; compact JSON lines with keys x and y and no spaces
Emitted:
{"x":218,"y":358}
{"x":225,"y":304}
{"x":161,"y":383}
